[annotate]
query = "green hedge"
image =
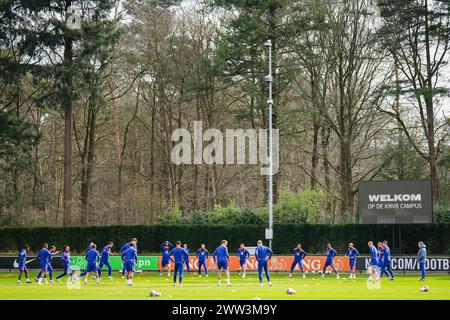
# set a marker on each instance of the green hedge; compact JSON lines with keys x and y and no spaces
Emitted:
{"x":313,"y":237}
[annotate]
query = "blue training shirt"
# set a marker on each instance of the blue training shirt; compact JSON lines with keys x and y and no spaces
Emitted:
{"x":373,"y":255}
{"x":387,"y":255}
{"x":65,"y":258}
{"x":105,"y":254}
{"x":331,"y":253}
{"x":243,"y":254}
{"x":50,"y":257}
{"x":380,"y":254}
{"x":221,"y":254}
{"x":263,"y":253}
{"x":202,"y":254}
{"x":92,"y":256}
{"x":43,"y":255}
{"x":22,"y":257}
{"x":352,"y":253}
{"x":299,"y":254}
{"x":179,"y":255}
{"x":130,"y":255}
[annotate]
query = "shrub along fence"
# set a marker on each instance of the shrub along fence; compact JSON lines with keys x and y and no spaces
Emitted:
{"x":402,"y":238}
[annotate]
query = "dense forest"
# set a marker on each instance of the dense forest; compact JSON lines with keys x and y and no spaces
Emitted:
{"x":91,"y":92}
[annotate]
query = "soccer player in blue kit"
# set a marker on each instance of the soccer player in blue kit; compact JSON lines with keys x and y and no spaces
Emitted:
{"x":243,"y":255}
{"x":22,"y":261}
{"x":65,"y":260}
{"x":43,"y":256}
{"x":352,"y":253}
{"x":53,"y":253}
{"x":202,"y":255}
{"x":422,"y":259}
{"x":186,"y":260}
{"x":373,"y":263}
{"x":123,"y":249}
{"x":222,"y":258}
{"x":263,"y":255}
{"x":104,"y":259}
{"x":166,"y":246}
{"x":179,"y":256}
{"x":92,"y":258}
{"x":129,"y":256}
{"x":387,"y":264}
{"x":299,"y":255}
{"x":380,"y":257}
{"x":329,"y":262}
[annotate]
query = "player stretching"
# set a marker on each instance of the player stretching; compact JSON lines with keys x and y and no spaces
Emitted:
{"x":92,"y":258}
{"x":129,"y":256}
{"x":43,"y":256}
{"x":202,"y":254}
{"x":387,"y":265}
{"x":352,"y":253}
{"x":179,"y":256}
{"x":221,"y":258}
{"x":243,"y":255}
{"x":186,"y":260}
{"x":329,"y":262}
{"x":299,"y":255}
{"x":373,"y":263}
{"x":123,"y":249}
{"x":422,"y":259}
{"x":263,"y":255}
{"x":22,"y":260}
{"x":66,"y":259}
{"x":166,"y":246}
{"x":104,"y":260}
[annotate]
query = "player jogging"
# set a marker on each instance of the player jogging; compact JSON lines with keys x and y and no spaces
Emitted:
{"x":386,"y":268}
{"x":22,"y":261}
{"x":352,"y":253}
{"x":202,"y":255}
{"x":373,"y":263}
{"x":329,"y":262}
{"x":380,"y":257}
{"x":422,"y":259}
{"x":222,"y":258}
{"x":104,"y":259}
{"x":92,"y":258}
{"x":129,"y":256}
{"x":243,"y":255}
{"x":43,"y":255}
{"x":123,"y":249}
{"x":166,"y":246}
{"x":263,"y":255}
{"x":65,"y":261}
{"x":299,"y":255}
{"x":179,"y":256}
{"x":87,"y":250}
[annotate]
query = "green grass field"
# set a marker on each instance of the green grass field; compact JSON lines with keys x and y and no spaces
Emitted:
{"x":404,"y":287}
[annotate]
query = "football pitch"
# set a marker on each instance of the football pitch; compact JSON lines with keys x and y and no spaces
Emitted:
{"x":405,"y":287}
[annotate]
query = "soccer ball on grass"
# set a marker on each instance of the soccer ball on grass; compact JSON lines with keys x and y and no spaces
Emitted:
{"x":154,"y":293}
{"x":424,"y":289}
{"x":290,"y":291}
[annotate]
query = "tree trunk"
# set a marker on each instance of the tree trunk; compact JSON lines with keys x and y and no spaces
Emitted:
{"x":316,"y":128}
{"x":325,"y":132}
{"x":428,"y":95}
{"x":67,"y":106}
{"x":87,"y":181}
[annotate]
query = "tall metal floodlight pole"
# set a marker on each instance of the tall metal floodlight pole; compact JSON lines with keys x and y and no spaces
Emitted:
{"x":269,"y":80}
